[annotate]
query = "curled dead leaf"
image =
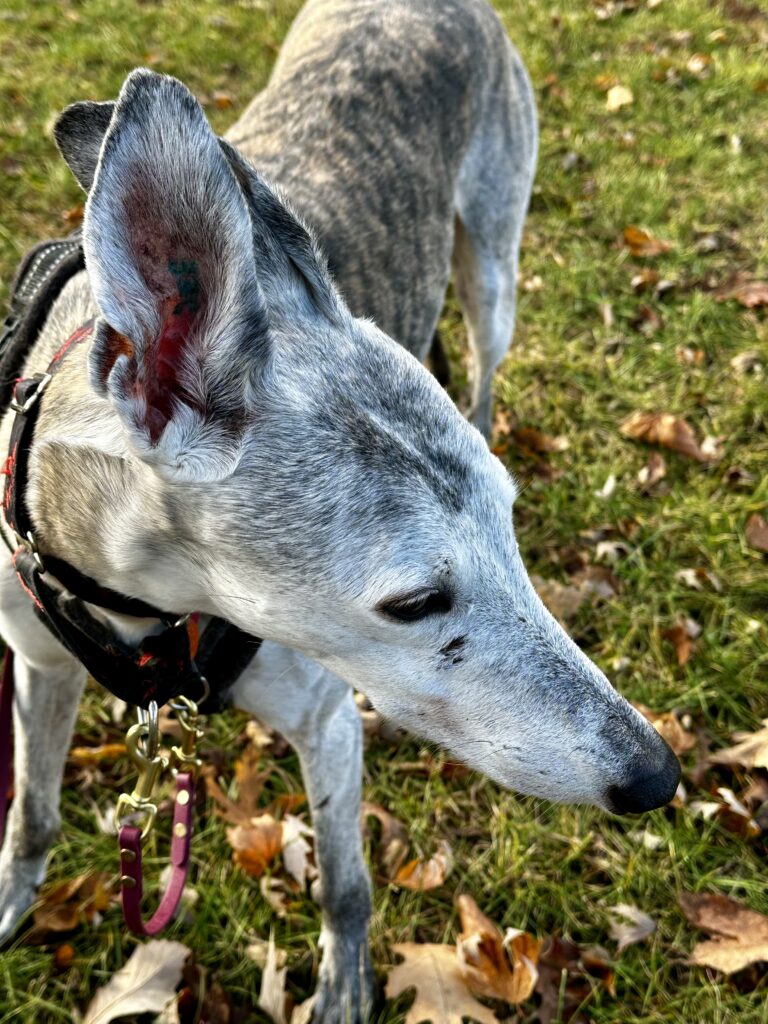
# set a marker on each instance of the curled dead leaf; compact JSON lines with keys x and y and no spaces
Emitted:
{"x":665,"y":429}
{"x":697,"y":578}
{"x":297,"y":850}
{"x":682,"y":636}
{"x":66,"y":905}
{"x":750,"y":750}
{"x":654,"y":470}
{"x":492,"y":965}
{"x":278,"y":893}
{"x":393,"y":846}
{"x":257,"y":844}
{"x":424,"y":875}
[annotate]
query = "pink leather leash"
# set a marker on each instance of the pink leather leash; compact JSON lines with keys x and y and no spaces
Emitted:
{"x":131,"y":880}
{"x":129,"y":836}
{"x":6,"y":736}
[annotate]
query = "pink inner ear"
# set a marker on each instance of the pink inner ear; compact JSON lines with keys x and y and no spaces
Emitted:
{"x":161,"y":381}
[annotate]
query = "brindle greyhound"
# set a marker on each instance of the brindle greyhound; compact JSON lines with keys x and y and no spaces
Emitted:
{"x":257,"y":453}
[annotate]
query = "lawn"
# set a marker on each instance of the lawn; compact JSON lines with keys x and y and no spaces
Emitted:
{"x":685,"y":162}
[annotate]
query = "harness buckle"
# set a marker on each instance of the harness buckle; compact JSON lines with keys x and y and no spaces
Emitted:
{"x":30,"y":544}
{"x":41,"y":381}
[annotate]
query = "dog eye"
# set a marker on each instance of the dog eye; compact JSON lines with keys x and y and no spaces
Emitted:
{"x":416,"y":606}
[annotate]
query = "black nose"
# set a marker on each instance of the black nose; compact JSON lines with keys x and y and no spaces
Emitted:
{"x":647,"y":789}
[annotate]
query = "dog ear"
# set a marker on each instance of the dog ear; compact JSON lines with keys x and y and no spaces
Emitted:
{"x":79,"y":132}
{"x":169,"y":250}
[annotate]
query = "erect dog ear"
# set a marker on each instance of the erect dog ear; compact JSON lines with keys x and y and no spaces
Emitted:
{"x":169,"y":251}
{"x":79,"y":132}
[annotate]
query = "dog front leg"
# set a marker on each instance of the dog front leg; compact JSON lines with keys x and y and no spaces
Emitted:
{"x":45,"y":707}
{"x":316,"y":712}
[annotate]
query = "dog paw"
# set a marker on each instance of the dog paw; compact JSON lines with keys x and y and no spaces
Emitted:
{"x":19,"y":880}
{"x":344,"y":992}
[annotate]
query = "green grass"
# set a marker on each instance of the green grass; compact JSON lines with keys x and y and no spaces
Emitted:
{"x":680,"y":174}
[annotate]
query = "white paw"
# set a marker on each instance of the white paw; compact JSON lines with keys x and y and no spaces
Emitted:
{"x":345,"y":986}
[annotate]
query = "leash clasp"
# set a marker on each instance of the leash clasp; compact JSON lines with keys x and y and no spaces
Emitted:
{"x":150,"y":764}
{"x":184,"y":756}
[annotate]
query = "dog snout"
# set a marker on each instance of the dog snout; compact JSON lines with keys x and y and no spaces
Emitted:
{"x":650,"y":783}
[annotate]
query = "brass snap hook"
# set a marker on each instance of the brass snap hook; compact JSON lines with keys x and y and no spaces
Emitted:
{"x":184,"y":756}
{"x":149,"y":765}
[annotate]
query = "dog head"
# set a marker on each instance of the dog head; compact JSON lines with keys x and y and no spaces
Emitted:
{"x":324,"y":491}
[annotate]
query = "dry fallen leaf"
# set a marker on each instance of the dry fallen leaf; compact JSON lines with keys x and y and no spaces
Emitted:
{"x":272,"y":995}
{"x":689,"y":356}
{"x":62,"y":907}
{"x":618,"y":96}
{"x":750,"y":750}
{"x":669,"y":726}
{"x":667,"y":430}
{"x":757,"y":532}
{"x":256,"y":844}
{"x":629,"y":925}
{"x":746,"y":362}
{"x":653,"y":471}
{"x":91,"y":757}
{"x":278,"y":893}
{"x":424,"y":875}
{"x":748,"y":293}
{"x":441,"y":995}
{"x":567,"y":978}
{"x":145,"y":984}
{"x":681,"y":636}
{"x":393,"y":846}
{"x":640,"y":243}
{"x":740,"y":935}
{"x":63,"y":956}
{"x":250,"y":785}
{"x":297,"y":852}
{"x":564,"y":599}
{"x":696,"y":579}
{"x":532,"y":441}
{"x":608,"y":487}
{"x":493,"y":965}
{"x":222,"y":100}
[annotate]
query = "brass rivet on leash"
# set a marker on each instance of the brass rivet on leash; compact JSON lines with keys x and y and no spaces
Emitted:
{"x":128,"y":855}
{"x":180,"y":829}
{"x":183,"y":798}
{"x":126,"y":880}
